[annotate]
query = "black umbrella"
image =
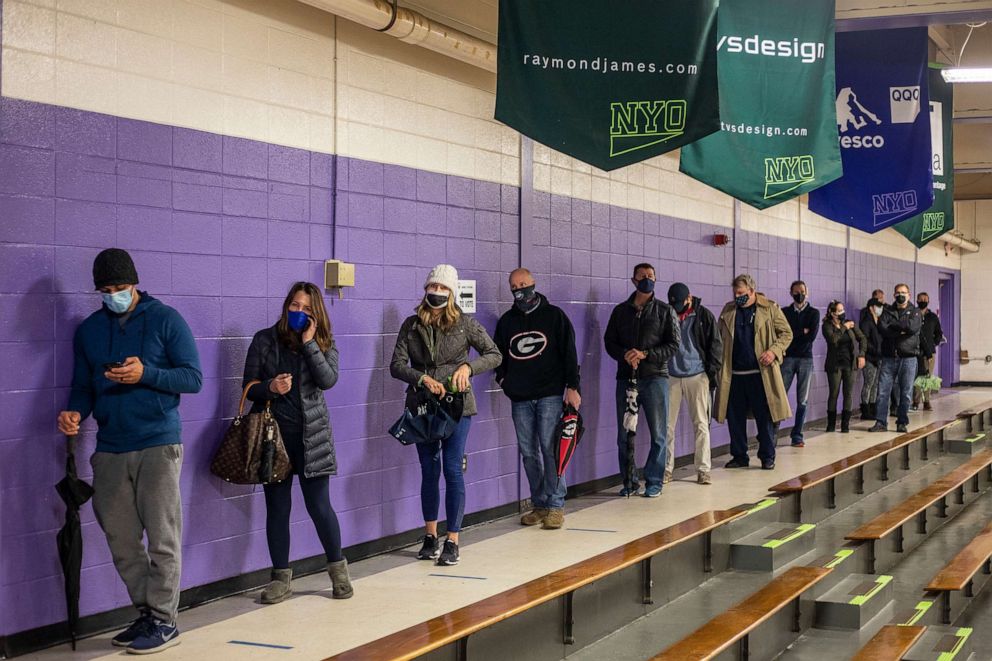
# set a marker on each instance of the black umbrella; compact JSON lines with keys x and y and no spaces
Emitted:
{"x":630,"y":424}
{"x":74,"y":492}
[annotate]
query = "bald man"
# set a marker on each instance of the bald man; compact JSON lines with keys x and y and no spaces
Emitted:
{"x":540,"y":374}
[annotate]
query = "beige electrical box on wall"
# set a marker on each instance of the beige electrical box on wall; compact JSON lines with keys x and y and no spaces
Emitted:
{"x":338,"y":274}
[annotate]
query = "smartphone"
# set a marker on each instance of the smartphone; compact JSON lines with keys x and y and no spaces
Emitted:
{"x":112,"y":366}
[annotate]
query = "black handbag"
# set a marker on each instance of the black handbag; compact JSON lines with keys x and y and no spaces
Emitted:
{"x":428,"y":418}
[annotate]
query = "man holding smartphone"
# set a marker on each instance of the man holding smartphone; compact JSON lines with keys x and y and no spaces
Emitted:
{"x":131,"y":361}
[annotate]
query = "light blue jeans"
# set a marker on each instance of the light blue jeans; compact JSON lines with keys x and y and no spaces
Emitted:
{"x":535,"y":421}
{"x":800,"y":369}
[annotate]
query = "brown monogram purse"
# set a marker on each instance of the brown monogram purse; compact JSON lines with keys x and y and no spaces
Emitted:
{"x":252,"y":451}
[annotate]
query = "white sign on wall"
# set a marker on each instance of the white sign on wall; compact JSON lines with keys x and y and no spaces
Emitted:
{"x":466,"y":296}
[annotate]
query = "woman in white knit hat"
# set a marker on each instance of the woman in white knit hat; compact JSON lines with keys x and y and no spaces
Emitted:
{"x":432,"y":352}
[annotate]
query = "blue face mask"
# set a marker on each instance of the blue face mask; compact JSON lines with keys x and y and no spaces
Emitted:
{"x":741,"y":300}
{"x":297,"y":320}
{"x":119,"y":302}
{"x":645,"y":285}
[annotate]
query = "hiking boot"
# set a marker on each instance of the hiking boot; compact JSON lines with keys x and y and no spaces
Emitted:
{"x":878,"y":426}
{"x":156,"y":637}
{"x":845,"y":422}
{"x":831,"y":422}
{"x":430,"y":550}
{"x":901,"y":429}
{"x":555,"y":519}
{"x":340,"y":580}
{"x":736,"y":463}
{"x":134,"y":630}
{"x":927,"y":406}
{"x":534,"y":517}
{"x":667,"y":478}
{"x":279,"y":587}
{"x":449,"y":556}
{"x":703,"y":478}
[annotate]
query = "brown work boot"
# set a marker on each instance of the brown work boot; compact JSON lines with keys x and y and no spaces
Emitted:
{"x":534,"y":517}
{"x":555,"y":519}
{"x":927,"y":406}
{"x":703,"y":478}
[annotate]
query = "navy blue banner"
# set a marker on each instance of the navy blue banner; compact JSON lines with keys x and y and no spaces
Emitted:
{"x":883,"y":126}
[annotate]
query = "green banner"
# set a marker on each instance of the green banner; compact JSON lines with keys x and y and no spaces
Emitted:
{"x":779,"y":121}
{"x":939,"y":218}
{"x":609,"y":83}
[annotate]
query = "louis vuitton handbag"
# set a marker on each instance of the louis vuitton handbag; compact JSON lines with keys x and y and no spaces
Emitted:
{"x":252,"y":451}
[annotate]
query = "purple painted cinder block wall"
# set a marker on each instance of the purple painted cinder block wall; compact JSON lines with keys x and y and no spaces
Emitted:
{"x":220,"y":227}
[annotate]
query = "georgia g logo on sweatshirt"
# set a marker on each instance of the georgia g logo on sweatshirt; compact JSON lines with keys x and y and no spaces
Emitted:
{"x":531,"y":344}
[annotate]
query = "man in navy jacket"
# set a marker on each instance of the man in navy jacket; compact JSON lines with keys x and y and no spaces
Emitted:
{"x":804,"y":320}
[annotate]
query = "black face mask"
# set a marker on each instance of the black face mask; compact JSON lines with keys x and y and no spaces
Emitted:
{"x":680,"y":307}
{"x":922,"y":304}
{"x":799,"y":298}
{"x":842,"y":317}
{"x":525,"y":298}
{"x":901,"y":298}
{"x":437,"y":301}
{"x":645,"y":285}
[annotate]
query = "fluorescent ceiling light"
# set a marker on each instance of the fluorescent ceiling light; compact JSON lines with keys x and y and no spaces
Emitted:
{"x":966,"y":75}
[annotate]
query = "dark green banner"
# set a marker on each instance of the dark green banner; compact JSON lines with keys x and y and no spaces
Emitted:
{"x":779,"y":122}
{"x":610,"y":83}
{"x":939,"y":218}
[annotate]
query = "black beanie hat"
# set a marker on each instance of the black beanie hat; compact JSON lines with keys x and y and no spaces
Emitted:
{"x":113,"y":266}
{"x":677,"y":293}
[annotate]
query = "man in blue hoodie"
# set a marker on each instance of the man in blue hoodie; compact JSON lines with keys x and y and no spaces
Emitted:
{"x":131,"y":361}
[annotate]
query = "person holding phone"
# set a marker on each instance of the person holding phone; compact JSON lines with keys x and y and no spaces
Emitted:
{"x":293,"y":362}
{"x":432,"y":352}
{"x":132,"y":359}
{"x":846,"y":348}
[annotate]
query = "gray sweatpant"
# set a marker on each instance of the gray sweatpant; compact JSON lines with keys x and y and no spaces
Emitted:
{"x":137,"y":493}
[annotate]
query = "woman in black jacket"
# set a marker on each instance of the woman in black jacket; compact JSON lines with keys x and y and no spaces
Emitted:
{"x":846,"y":346}
{"x":293,"y":362}
{"x":873,"y":356}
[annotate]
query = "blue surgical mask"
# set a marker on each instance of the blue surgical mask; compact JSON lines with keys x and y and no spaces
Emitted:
{"x":119,"y":302}
{"x":645,"y":285}
{"x":297,"y":320}
{"x":741,"y":300}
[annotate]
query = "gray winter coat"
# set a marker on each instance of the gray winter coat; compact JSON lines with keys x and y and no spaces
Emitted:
{"x":320,"y":373}
{"x":412,"y":358}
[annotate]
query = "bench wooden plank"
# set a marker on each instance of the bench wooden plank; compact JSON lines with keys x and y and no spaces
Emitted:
{"x":730,"y":626}
{"x":958,"y":572}
{"x":890,"y":643}
{"x":886,"y":522}
{"x":824,"y":473}
{"x":975,"y":410}
{"x":424,"y":637}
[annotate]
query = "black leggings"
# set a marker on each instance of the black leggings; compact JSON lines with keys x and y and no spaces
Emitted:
{"x":278,"y":504}
{"x":834,"y":379}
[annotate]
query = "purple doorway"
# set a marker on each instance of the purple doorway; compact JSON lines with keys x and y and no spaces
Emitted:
{"x":945,"y":358}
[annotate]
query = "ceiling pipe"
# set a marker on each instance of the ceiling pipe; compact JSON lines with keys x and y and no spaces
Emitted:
{"x":960,"y":242}
{"x":413,"y":28}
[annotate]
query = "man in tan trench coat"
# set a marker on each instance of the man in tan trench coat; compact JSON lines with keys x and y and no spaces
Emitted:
{"x":755,"y":336}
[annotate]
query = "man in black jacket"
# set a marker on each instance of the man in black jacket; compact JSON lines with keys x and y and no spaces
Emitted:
{"x":873,"y":357}
{"x":804,"y":320}
{"x":899,"y":325}
{"x":931,"y":335}
{"x":642,"y":336}
{"x":540,"y":367}
{"x":692,"y":374}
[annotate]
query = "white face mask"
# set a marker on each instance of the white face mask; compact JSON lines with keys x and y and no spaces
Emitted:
{"x":878,"y":310}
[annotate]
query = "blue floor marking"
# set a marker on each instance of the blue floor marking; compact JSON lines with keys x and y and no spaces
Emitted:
{"x":590,"y":529}
{"x":474,"y":578}
{"x":251,"y":644}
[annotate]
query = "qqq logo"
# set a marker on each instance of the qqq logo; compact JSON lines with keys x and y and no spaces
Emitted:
{"x":524,"y":346}
{"x":904,"y":104}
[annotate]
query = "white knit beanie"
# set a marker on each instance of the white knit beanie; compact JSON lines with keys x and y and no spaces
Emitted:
{"x":443,"y":274}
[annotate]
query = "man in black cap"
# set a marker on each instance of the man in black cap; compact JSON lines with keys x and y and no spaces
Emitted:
{"x":692,"y":374}
{"x":131,"y":361}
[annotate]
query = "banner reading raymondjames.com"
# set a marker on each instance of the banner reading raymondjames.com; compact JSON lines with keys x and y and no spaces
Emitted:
{"x":884,"y":136}
{"x":779,"y":135}
{"x":939,"y":218}
{"x":610,"y":83}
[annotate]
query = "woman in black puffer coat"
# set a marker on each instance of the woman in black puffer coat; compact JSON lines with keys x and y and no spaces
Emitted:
{"x":294,"y":362}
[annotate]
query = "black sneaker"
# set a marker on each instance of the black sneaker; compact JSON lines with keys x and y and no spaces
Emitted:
{"x":734,"y":463}
{"x":430,"y":550}
{"x":767,"y":465}
{"x":449,"y":556}
{"x":135,"y":630}
{"x":901,"y":429}
{"x":878,"y":426}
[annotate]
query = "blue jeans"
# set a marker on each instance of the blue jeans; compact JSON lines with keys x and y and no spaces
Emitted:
{"x":897,"y":374}
{"x":652,"y":395}
{"x":800,"y":369}
{"x":430,"y":454}
{"x":535,"y":421}
{"x":747,"y":394}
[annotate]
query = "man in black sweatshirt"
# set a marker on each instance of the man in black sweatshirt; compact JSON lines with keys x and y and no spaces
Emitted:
{"x":540,"y":368}
{"x":804,"y":320}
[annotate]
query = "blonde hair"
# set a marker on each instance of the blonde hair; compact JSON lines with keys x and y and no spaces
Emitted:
{"x":448,"y":317}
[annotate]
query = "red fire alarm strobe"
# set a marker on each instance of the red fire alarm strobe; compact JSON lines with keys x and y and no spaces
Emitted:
{"x":720,"y":239}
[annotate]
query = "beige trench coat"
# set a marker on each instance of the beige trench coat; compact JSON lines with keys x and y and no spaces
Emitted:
{"x":771,"y":333}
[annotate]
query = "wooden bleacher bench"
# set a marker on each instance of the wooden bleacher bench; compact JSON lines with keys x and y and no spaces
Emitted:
{"x":958,"y":573}
{"x":456,"y":626}
{"x":978,"y":410}
{"x":857,"y":461}
{"x":887,"y":522}
{"x":736,"y":624}
{"x":890,"y":643}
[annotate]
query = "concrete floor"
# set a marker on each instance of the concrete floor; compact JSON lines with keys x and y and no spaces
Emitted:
{"x":394,"y":591}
